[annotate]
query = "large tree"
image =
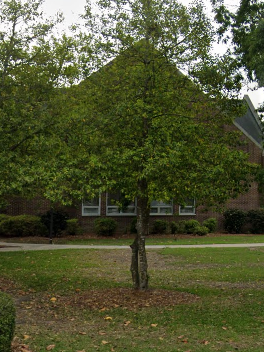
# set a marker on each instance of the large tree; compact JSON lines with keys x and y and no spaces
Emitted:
{"x":34,"y":67}
{"x":245,"y":28}
{"x":152,"y":120}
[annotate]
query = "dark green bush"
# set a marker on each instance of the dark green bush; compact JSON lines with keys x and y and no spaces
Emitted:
{"x":4,"y":217}
{"x":7,"y":322}
{"x":211,"y":224}
{"x":234,"y":220}
{"x":181,"y":226}
{"x":105,"y":226}
{"x":159,"y":227}
{"x":59,"y":220}
{"x":191,"y":226}
{"x":201,"y":230}
{"x":256,"y":220}
{"x":133,"y":226}
{"x":72,"y":228}
{"x":22,"y":226}
{"x":173,"y":227}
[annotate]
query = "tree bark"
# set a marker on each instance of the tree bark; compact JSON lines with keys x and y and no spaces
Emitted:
{"x":139,"y":264}
{"x":134,"y":264}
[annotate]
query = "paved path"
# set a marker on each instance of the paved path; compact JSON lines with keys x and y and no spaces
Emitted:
{"x":10,"y":247}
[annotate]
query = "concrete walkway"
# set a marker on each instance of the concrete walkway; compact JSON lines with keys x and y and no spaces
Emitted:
{"x":10,"y":247}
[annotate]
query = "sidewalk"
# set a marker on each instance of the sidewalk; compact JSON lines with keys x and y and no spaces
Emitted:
{"x":11,"y":247}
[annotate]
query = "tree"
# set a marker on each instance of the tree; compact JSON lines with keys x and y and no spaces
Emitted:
{"x":147,"y":129}
{"x":246,"y":26}
{"x":34,"y":67}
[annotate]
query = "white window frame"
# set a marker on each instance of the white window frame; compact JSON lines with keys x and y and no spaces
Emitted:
{"x":190,"y":209}
{"x":118,"y":211}
{"x":98,"y":207}
{"x":162,"y":205}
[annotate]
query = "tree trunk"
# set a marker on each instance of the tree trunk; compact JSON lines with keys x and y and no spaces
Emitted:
{"x":139,"y":264}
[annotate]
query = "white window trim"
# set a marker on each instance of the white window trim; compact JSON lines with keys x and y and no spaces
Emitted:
{"x":119,"y":213}
{"x":170,"y":207}
{"x":191,"y":207}
{"x":90,"y":207}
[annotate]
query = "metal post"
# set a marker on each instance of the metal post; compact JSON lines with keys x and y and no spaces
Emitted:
{"x":51,"y":227}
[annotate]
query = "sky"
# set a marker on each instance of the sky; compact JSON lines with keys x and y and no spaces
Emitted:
{"x":72,"y":10}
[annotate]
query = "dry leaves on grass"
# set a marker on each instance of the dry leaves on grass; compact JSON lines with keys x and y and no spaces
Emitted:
{"x":127,"y":298}
{"x":18,"y":347}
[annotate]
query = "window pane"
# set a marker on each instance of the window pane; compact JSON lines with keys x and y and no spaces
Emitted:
{"x":90,"y":210}
{"x":155,"y":203}
{"x":166,"y":210}
{"x":91,"y":202}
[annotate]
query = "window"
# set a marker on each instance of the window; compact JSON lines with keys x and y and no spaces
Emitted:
{"x":188,"y":208}
{"x":161,"y":208}
{"x":117,"y":204}
{"x":91,"y":207}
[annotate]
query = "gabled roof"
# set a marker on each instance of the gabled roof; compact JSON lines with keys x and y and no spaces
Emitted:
{"x":250,"y":124}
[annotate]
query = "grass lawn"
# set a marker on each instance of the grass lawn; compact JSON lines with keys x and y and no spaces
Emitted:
{"x":80,"y":300}
{"x":151,"y":240}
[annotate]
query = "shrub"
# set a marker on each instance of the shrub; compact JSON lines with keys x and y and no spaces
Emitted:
{"x":7,"y":322}
{"x":133,"y":226}
{"x":4,"y":217}
{"x":234,"y":219}
{"x":256,"y":220}
{"x":211,"y":224}
{"x":105,"y":226}
{"x":181,"y":226}
{"x":201,"y":230}
{"x":191,"y":226}
{"x":72,"y":227}
{"x":22,"y":226}
{"x":159,"y":227}
{"x":173,"y":227}
{"x":59,"y":220}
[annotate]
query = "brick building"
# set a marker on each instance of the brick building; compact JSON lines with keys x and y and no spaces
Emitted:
{"x":105,"y":205}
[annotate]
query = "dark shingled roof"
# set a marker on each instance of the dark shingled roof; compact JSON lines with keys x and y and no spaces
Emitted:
{"x":250,"y":124}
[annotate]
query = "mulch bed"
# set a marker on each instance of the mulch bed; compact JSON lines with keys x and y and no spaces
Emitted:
{"x":129,"y":299}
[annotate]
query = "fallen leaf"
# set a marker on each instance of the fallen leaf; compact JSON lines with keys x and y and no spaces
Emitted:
{"x":50,"y":347}
{"x":102,"y":333}
{"x":181,"y":337}
{"x":154,"y":325}
{"x":126,"y":323}
{"x":205,"y":342}
{"x":26,"y":337}
{"x":224,"y":327}
{"x":82,"y":333}
{"x":53,"y":299}
{"x":108,"y":318}
{"x":104,"y":342}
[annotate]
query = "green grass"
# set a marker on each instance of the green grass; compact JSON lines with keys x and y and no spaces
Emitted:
{"x":228,"y":316}
{"x":171,"y":240}
{"x":152,"y":240}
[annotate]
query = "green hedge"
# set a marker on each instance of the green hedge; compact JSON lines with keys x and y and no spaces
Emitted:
{"x":72,"y":228}
{"x":234,"y":220}
{"x":22,"y":226}
{"x":7,"y":322}
{"x":159,"y":227}
{"x":256,"y":220}
{"x":105,"y":226}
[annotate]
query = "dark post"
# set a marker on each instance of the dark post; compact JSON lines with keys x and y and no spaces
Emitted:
{"x":51,"y":226}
